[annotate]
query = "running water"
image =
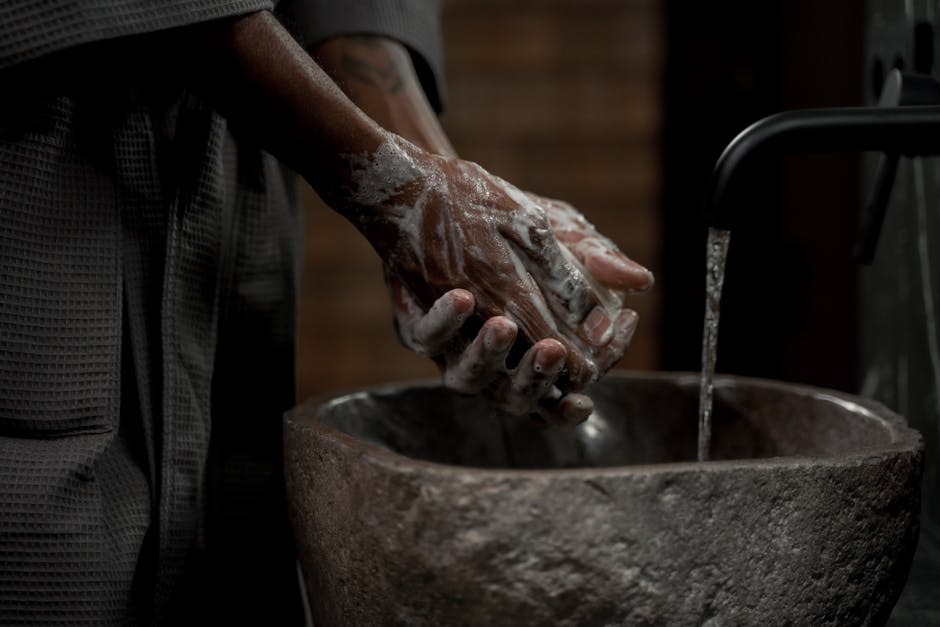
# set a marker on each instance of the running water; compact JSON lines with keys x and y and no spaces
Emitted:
{"x":717,"y":250}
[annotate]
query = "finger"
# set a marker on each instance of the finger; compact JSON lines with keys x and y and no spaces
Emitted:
{"x":567,"y":290}
{"x":536,"y":323}
{"x":595,"y":362}
{"x":532,"y":378}
{"x":569,"y":409}
{"x":611,"y":268}
{"x":406,"y":314}
{"x":435,"y":330}
{"x":594,"y":327}
{"x":575,"y":408}
{"x":624,"y":328}
{"x":404,"y":307}
{"x":484,"y":360}
{"x":580,"y":370}
{"x":553,"y":267}
{"x":597,"y":328}
{"x":600,"y":256}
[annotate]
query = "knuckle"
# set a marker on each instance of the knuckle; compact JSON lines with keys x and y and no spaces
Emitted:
{"x":459,"y":384}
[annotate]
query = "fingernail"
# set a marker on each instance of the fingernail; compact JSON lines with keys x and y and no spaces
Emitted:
{"x":548,"y":362}
{"x":643,"y":278}
{"x":577,"y":408}
{"x":620,"y":271}
{"x":650,"y":281}
{"x":499,"y":339}
{"x":626,"y":325}
{"x":597,"y":327}
{"x":624,"y":263}
{"x":462,"y":298}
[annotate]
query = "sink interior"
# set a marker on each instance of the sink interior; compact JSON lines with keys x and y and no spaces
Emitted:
{"x":637,"y":420}
{"x":822,"y":535}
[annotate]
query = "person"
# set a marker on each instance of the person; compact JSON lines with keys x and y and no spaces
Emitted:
{"x":148,"y":269}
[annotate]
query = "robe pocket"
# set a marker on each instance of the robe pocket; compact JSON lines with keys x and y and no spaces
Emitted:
{"x":60,"y":271}
{"x":56,"y":428}
{"x":42,"y":396}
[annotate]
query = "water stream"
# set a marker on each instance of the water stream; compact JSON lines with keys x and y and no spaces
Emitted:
{"x":717,"y":251}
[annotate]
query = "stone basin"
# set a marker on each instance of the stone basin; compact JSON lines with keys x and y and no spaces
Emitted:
{"x":414,"y":506}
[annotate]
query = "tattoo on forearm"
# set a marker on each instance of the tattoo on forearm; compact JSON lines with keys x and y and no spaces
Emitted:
{"x":366,"y":61}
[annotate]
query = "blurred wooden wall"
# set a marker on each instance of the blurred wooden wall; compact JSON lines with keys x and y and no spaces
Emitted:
{"x":561,"y":97}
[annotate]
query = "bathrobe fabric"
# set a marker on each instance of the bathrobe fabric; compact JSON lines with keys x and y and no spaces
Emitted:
{"x":148,"y":270}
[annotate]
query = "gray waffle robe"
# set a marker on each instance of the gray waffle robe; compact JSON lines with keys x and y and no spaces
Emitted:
{"x":148,"y":269}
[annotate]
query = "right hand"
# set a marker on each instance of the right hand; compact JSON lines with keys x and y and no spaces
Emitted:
{"x":478,"y":364}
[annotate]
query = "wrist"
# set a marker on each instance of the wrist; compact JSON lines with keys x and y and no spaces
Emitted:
{"x":382,"y":189}
{"x":377,"y":73}
{"x":270,"y":90}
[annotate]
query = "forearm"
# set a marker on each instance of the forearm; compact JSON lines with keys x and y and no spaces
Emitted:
{"x":378,"y":75}
{"x":253,"y":72}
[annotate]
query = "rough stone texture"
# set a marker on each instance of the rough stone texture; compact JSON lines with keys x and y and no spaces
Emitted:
{"x":412,"y":506}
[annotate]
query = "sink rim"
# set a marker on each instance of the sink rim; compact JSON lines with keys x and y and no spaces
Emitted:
{"x":903,"y":437}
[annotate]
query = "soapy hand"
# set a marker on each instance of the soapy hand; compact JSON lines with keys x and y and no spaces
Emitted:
{"x":600,"y":257}
{"x":612,"y":273}
{"x":478,"y":365}
{"x":440,"y":223}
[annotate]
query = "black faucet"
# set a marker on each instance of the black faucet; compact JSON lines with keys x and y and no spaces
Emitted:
{"x":902,"y":124}
{"x":899,"y":90}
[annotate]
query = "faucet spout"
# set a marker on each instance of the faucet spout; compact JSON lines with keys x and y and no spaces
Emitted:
{"x":909,"y":131}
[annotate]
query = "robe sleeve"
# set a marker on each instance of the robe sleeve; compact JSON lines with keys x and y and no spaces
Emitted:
{"x":414,"y":23}
{"x":30,"y":29}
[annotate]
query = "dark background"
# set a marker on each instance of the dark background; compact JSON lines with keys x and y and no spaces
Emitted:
{"x":789,"y":307}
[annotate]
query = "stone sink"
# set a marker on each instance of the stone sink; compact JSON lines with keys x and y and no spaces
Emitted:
{"x":413,"y":506}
